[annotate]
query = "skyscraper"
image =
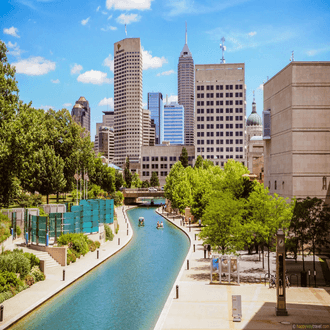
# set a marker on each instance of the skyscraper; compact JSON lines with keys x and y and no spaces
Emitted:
{"x":174,"y":123}
{"x":156,"y":108}
{"x":128,"y":100}
{"x":220,"y":112}
{"x":81,"y":113}
{"x":186,"y":91}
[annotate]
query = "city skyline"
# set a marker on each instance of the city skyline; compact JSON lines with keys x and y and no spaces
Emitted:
{"x":64,"y":52}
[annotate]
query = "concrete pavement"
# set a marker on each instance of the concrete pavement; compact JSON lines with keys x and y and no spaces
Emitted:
{"x":202,"y":305}
{"x":27,"y":300}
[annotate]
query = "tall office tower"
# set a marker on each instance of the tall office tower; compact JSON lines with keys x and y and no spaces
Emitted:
{"x":128,"y":100}
{"x":186,"y":91}
{"x":146,"y":125}
{"x":220,"y":112}
{"x":174,"y":123}
{"x":156,"y":107}
{"x":81,"y":113}
{"x":152,"y":133}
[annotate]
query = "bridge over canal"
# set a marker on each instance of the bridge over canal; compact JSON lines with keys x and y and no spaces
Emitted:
{"x":131,"y":195}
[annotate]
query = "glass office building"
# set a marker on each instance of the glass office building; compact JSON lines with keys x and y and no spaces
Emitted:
{"x":156,"y":108}
{"x":174,"y":123}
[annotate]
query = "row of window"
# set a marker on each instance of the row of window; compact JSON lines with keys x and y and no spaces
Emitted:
{"x":221,"y":149}
{"x":228,"y":141}
{"x":209,"y":103}
{"x":218,"y":87}
{"x":148,"y":173}
{"x":154,"y":166}
{"x":218,"y":126}
{"x":228,"y":110}
{"x":201,"y":134}
{"x":219,"y":118}
{"x":217,"y":95}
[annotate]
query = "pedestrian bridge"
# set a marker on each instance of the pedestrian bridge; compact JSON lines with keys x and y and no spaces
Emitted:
{"x":131,"y":195}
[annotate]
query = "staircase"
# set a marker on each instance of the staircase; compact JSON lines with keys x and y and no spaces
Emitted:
{"x":49,"y":261}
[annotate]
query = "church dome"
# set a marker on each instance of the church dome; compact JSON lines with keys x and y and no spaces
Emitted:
{"x":81,"y":98}
{"x":77,"y":105}
{"x":254,"y":119}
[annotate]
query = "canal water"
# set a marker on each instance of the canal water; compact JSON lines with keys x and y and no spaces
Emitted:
{"x":126,"y":292}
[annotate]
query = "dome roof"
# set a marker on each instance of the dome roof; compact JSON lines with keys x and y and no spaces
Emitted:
{"x":254,"y":120}
{"x":81,"y":98}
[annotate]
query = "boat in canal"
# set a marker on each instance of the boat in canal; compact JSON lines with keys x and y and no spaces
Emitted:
{"x":141,"y":222}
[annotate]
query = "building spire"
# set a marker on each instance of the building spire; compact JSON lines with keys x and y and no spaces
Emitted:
{"x":186,"y":34}
{"x":254,"y":99}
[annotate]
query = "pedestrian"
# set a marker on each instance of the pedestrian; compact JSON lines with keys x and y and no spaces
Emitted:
{"x":200,"y":222}
{"x":209,"y":250}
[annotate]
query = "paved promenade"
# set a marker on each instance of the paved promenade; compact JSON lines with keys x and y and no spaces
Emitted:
{"x":27,"y":300}
{"x":202,"y":305}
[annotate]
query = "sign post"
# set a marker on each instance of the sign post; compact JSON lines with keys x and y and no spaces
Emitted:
{"x":280,"y":309}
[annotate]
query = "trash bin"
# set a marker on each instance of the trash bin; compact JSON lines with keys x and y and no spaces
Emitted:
{"x":303,"y":279}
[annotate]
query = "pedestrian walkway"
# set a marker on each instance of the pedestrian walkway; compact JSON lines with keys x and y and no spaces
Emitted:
{"x":27,"y":300}
{"x":202,"y":305}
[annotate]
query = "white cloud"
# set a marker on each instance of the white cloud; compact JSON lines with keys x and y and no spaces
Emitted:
{"x":57,"y":81}
{"x":251,"y":34}
{"x":313,"y":52}
{"x":109,"y":62}
{"x":165,"y":73}
{"x":150,"y":62}
{"x":12,"y":32}
{"x":127,"y":19}
{"x":112,"y":28}
{"x":67,"y":105}
{"x":110,"y":17}
{"x":261,"y":87}
{"x":94,"y":77}
{"x":104,"y":12}
{"x":34,"y":66}
{"x":76,"y":68}
{"x":144,"y":105}
{"x":106,"y":102}
{"x":16,"y":51}
{"x":85,"y":21}
{"x":98,"y":8}
{"x":46,"y":107}
{"x":171,"y":98}
{"x":129,"y":4}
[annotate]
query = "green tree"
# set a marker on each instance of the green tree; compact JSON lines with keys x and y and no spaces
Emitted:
{"x":184,"y":157}
{"x":119,"y":180}
{"x":127,"y":174}
{"x":145,"y":184}
{"x":173,"y":179}
{"x":48,"y":176}
{"x":223,"y":217}
{"x":9,"y":103}
{"x":199,"y":162}
{"x":154,"y":181}
{"x":136,"y":182}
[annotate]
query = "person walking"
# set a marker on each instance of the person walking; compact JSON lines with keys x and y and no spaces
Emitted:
{"x":209,"y":250}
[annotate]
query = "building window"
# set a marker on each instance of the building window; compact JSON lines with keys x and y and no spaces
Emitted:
{"x":324,"y":183}
{"x":275,"y":185}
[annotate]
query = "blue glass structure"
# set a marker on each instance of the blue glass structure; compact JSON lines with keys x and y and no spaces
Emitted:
{"x":156,"y":108}
{"x":174,"y":123}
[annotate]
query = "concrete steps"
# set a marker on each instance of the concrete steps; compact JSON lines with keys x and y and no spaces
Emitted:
{"x":49,"y":261}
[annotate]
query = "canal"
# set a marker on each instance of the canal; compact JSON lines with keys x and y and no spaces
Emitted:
{"x":126,"y":292}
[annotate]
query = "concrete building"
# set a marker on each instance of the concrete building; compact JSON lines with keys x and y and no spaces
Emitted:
{"x":81,"y":113}
{"x":297,"y":130}
{"x":255,"y":143}
{"x":186,"y":91}
{"x":108,"y":121}
{"x":106,"y":144}
{"x":174,"y":123}
{"x":128,"y":100}
{"x":148,"y":129}
{"x":161,"y":158}
{"x":156,"y":108}
{"x":220,"y":112}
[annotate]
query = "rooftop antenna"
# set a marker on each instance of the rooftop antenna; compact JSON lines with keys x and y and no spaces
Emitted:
{"x":254,"y":99}
{"x":186,"y":34}
{"x":292,"y":57}
{"x":125,"y":30}
{"x":223,"y":48}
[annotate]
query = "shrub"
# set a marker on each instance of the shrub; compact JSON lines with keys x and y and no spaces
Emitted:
{"x":35,"y":199}
{"x":15,"y":262}
{"x":108,"y":233}
{"x":34,"y":261}
{"x":37,"y":273}
{"x":5,"y":224}
{"x":18,"y":230}
{"x":91,"y":245}
{"x":29,"y":279}
{"x":117,"y":229}
{"x":9,"y":280}
{"x":5,"y":295}
{"x":70,"y":257}
{"x":98,"y":244}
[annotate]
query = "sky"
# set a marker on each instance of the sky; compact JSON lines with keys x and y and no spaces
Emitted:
{"x":63,"y":49}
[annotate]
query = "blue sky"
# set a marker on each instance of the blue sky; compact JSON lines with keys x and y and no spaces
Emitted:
{"x":63,"y":49}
